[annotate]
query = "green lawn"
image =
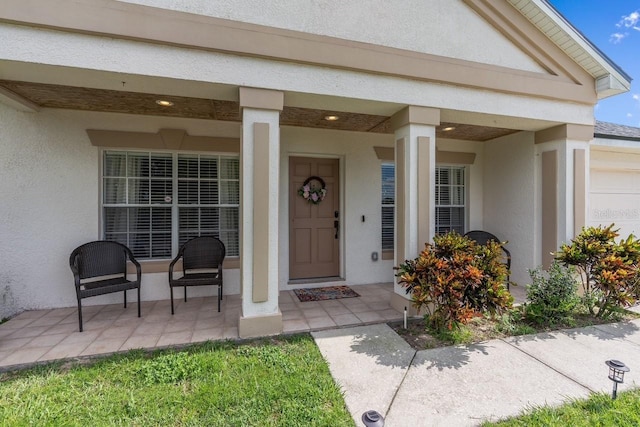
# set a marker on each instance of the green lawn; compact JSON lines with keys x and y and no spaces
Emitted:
{"x":283,"y":382}
{"x":599,"y":410}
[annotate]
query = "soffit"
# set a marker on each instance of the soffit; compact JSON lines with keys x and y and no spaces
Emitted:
{"x":104,"y":100}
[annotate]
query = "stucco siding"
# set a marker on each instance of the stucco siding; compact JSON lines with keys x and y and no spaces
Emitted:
{"x":48,"y":182}
{"x":102,"y":62}
{"x":49,"y":188}
{"x":457,"y":32}
{"x":509,"y":199}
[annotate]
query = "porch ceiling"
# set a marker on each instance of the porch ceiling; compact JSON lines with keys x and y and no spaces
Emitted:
{"x":113,"y":101}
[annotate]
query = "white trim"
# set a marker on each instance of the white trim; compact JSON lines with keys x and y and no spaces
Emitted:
{"x":175,"y":206}
{"x":618,"y":83}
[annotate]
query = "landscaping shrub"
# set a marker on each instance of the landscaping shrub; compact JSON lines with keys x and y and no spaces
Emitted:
{"x":608,"y":269}
{"x":552,"y":295}
{"x":455,"y":279}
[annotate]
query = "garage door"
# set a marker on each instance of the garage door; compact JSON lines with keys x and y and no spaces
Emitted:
{"x":615,"y":190}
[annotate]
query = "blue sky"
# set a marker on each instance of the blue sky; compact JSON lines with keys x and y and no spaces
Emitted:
{"x":614,"y":27}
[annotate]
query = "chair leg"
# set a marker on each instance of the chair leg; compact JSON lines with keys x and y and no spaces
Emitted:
{"x":79,"y":315}
{"x":125,"y":298}
{"x":219,"y":297}
{"x":171,"y":288}
{"x":138,"y":300}
{"x":185,"y":293}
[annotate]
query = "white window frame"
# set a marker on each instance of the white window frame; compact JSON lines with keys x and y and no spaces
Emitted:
{"x":464,"y":206}
{"x":174,"y":204}
{"x":387,"y":205}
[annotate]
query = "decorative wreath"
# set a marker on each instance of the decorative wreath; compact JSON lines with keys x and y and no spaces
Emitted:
{"x":313,"y":190}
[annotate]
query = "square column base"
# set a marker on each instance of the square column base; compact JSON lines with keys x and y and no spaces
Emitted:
{"x":399,"y":302}
{"x":260,"y":326}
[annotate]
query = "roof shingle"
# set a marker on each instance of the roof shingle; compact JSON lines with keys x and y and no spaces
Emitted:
{"x":616,"y":131}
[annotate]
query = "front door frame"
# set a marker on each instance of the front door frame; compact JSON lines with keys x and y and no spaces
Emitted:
{"x":341,"y":206}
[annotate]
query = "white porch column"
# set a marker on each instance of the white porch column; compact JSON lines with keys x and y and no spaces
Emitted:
{"x":563,"y":170}
{"x":260,"y":166}
{"x":415,"y":154}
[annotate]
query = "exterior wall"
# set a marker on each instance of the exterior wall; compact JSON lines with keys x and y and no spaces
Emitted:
{"x":49,"y":204}
{"x":360,"y":195}
{"x":510,"y":208}
{"x":49,"y":186}
{"x":457,"y":33}
{"x":52,"y":213}
{"x":49,"y":174}
{"x":614,"y":195}
{"x":194,"y":69}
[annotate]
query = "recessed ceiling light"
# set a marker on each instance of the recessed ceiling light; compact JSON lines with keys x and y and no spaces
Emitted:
{"x":164,"y":103}
{"x":331,"y":118}
{"x":447,"y":129}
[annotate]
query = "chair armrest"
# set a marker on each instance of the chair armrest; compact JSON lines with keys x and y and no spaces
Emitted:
{"x":74,"y":269}
{"x":135,"y":262}
{"x":172,"y":264}
{"x":506,"y":251}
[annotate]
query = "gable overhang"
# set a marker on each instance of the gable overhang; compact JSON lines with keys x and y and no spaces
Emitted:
{"x":564,"y":80}
{"x":610,"y":79}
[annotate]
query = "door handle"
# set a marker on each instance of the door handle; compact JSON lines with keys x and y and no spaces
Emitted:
{"x":336,"y":225}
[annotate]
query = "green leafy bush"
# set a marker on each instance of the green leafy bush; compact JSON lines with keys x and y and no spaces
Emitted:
{"x":552,"y":295}
{"x":454,"y":279}
{"x":512,"y":323}
{"x":608,"y":269}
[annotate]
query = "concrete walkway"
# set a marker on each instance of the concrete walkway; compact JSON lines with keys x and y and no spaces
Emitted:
{"x":466,"y":385}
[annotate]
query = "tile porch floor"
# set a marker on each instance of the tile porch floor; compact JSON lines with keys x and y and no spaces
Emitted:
{"x":45,"y":335}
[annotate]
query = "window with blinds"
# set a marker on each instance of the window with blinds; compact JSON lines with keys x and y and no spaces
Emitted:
{"x":450,"y":199}
{"x":388,"y":204}
{"x":153,"y":202}
{"x":209,"y":199}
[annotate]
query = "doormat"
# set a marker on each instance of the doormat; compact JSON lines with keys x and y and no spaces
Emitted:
{"x":329,"y":292}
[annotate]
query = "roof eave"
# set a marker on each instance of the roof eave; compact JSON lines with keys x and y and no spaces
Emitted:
{"x":612,"y":79}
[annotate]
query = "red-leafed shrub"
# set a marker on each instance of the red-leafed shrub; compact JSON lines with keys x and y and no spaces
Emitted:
{"x":609,"y":270}
{"x":455,"y":279}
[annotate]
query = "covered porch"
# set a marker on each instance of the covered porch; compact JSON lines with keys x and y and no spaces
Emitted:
{"x":40,"y":336}
{"x":47,"y":335}
{"x":262,"y":116}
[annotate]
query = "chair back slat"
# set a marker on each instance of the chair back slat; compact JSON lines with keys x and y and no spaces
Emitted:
{"x":481,"y":237}
{"x":203,"y":253}
{"x":100,"y":258}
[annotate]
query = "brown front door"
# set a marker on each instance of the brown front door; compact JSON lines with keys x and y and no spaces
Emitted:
{"x":314,"y":245}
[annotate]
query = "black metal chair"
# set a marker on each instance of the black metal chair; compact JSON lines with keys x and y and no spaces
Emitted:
{"x":483,"y":237}
{"x":202,"y":259}
{"x":99,"y":268}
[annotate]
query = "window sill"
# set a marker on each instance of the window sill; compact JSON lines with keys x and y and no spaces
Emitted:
{"x":387,"y":254}
{"x":162,"y":266}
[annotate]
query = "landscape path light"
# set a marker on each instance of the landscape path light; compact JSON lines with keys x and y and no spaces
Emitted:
{"x":372,"y":419}
{"x":616,"y":374}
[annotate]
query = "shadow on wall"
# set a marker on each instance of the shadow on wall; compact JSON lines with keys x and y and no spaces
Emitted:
{"x":8,"y":307}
